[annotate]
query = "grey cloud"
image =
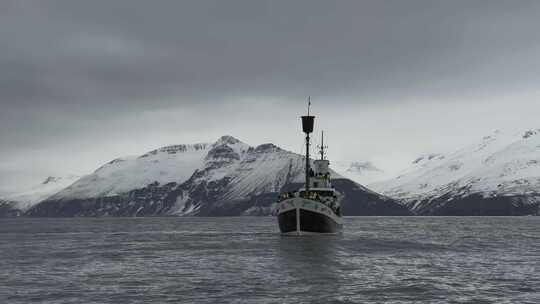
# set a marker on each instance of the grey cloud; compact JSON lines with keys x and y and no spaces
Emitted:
{"x":134,"y":49}
{"x":76,"y":69}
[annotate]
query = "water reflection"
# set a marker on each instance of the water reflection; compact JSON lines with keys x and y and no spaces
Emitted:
{"x":311,"y":261}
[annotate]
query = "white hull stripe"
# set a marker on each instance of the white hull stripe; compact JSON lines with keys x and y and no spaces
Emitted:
{"x":310,"y":205}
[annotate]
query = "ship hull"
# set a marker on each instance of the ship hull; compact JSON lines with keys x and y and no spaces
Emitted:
{"x":304,"y":217}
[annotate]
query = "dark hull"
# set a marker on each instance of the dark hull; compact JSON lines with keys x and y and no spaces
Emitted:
{"x":310,"y":222}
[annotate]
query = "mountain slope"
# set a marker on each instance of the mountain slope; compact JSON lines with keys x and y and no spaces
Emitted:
{"x":168,"y":164}
{"x":16,"y":203}
{"x":362,"y":172}
{"x":232,"y":176}
{"x":9,"y":208}
{"x":227,"y":177}
{"x":500,"y":175}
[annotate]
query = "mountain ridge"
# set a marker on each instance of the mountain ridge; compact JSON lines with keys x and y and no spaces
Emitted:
{"x":362,"y":172}
{"x":227,"y":177}
{"x":19,"y":202}
{"x":502,"y":167}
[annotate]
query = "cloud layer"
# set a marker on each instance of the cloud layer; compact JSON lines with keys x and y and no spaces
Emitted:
{"x":98,"y":78}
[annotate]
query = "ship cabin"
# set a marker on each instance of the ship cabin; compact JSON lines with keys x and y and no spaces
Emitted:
{"x":319,"y":175}
{"x":320,"y":188}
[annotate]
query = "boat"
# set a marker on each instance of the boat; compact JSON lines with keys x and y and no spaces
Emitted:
{"x":314,"y":208}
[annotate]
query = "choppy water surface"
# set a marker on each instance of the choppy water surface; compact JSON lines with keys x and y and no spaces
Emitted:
{"x":245,"y":260}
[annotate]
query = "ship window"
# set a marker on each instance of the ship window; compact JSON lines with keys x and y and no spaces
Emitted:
{"x":320,"y":193}
{"x":325,"y":193}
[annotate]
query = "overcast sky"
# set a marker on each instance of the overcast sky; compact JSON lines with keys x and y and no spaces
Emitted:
{"x":83,"y":82}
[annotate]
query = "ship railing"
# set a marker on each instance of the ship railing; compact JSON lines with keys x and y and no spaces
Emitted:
{"x":314,"y":196}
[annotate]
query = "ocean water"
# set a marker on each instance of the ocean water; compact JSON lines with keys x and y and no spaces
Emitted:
{"x":245,"y":260}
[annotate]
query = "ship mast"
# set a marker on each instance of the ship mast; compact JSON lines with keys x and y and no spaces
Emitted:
{"x":307,"y":127}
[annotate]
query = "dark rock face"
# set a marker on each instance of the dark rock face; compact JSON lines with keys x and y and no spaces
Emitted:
{"x":156,"y":200}
{"x":224,"y":153}
{"x":266,"y":148}
{"x":360,"y":201}
{"x":204,"y":196}
{"x":149,"y":201}
{"x":208,"y":198}
{"x":7,"y":209}
{"x":50,"y":179}
{"x":477,"y":205}
{"x":235,"y":179}
{"x":175,"y":149}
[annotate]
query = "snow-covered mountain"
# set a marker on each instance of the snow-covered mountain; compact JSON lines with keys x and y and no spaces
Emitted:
{"x":227,"y":177}
{"x":499,"y":175}
{"x":362,"y":172}
{"x":15,"y":203}
{"x":233,"y":172}
{"x":165,"y":165}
